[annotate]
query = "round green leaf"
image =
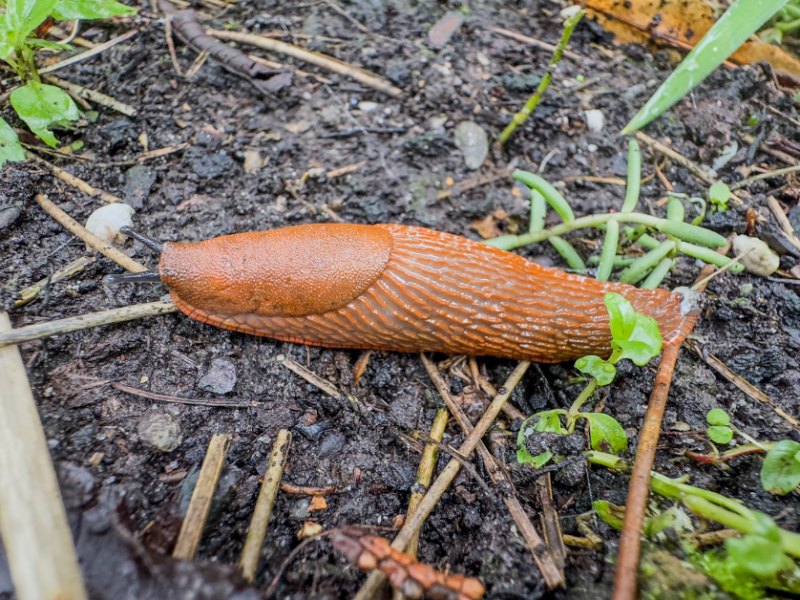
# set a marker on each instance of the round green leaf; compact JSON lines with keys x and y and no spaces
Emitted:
{"x":597,"y":368}
{"x":719,"y":194}
{"x":720,"y":434}
{"x":605,"y":428}
{"x":780,"y":473}
{"x":10,"y":148}
{"x":717,"y":416}
{"x":41,"y":105}
{"x":757,"y":555}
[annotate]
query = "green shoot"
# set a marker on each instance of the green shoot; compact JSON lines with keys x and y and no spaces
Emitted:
{"x":609,"y":251}
{"x":719,"y":194}
{"x":719,"y":432}
{"x":781,"y":471}
{"x":545,"y":189}
{"x":634,"y":177}
{"x":742,"y":19}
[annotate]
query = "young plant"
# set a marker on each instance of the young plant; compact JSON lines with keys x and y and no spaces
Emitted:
{"x":38,"y":104}
{"x":634,"y":337}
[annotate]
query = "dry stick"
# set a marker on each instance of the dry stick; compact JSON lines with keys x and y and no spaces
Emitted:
{"x":76,"y":266}
{"x":200,"y":504}
{"x":786,"y":225}
{"x":512,"y":412}
{"x":312,"y":378}
{"x":347,"y":16}
{"x":782,"y":156}
{"x":683,"y":161}
{"x":33,"y":522}
{"x":216,"y":402}
{"x":276,"y":65}
{"x":98,"y":319}
{"x":251,"y":552}
{"x":552,"y":574}
{"x":534,"y":42}
{"x":551,"y":525}
{"x":171,"y":45}
{"x":123,"y":260}
{"x":760,"y":176}
{"x":305,"y":490}
{"x":96,"y":97}
{"x":445,"y":478}
{"x":75,"y":181}
{"x":326,"y":62}
{"x":89,"y":53}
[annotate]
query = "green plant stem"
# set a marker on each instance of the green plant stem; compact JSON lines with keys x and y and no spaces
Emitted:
{"x":538,"y":210}
{"x":675,"y":210}
{"x":580,"y":400}
{"x":634,"y":177}
{"x":530,"y":105}
{"x":618,"y":261}
{"x":637,"y":271}
{"x":546,"y":189}
{"x":609,"y":251}
{"x":605,"y":460}
{"x":658,"y":274}
{"x":569,"y":253}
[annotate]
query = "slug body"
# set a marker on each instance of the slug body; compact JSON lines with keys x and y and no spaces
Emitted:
{"x":408,"y":289}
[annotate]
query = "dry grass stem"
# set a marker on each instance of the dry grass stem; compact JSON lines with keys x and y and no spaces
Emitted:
{"x":89,"y":53}
{"x":29,"y":293}
{"x":87,"y":94}
{"x":312,"y":378}
{"x":538,"y":43}
{"x":76,"y":182}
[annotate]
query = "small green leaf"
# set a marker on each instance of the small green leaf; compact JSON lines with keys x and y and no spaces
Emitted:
{"x":692,"y":233}
{"x":10,"y":148}
{"x":23,"y":16}
{"x":719,"y":434}
{"x":757,"y":555}
{"x":70,"y":10}
{"x":717,"y":416}
{"x":623,"y":317}
{"x":634,"y":335}
{"x":537,"y":462}
{"x":41,"y":105}
{"x":595,"y":366}
{"x":613,"y":515}
{"x":719,"y":194}
{"x":605,"y":428}
{"x":780,"y":473}
{"x":549,"y":421}
{"x":40,"y":43}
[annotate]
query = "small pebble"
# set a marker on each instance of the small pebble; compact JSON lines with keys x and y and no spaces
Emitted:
{"x":367,"y":106}
{"x":8,"y":215}
{"x":220,"y":378}
{"x":592,"y":148}
{"x":595,"y":120}
{"x":107,"y":220}
{"x":473,"y":142}
{"x":161,"y":431}
{"x":745,"y":289}
{"x":759,"y":259}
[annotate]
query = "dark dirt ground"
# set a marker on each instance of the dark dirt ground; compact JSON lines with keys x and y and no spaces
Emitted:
{"x":478,"y":75}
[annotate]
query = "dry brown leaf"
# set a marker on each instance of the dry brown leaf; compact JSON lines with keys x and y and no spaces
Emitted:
{"x":486,"y":228}
{"x":317,"y":503}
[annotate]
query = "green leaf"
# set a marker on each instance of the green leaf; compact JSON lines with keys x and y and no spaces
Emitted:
{"x":41,"y":105}
{"x":717,"y":416}
{"x":719,"y":194}
{"x":780,"y":473}
{"x":10,"y":148}
{"x":613,"y":515}
{"x":69,"y":10}
{"x":719,"y":434}
{"x":40,"y":43}
{"x":537,"y":462}
{"x":623,"y":317}
{"x":549,"y":421}
{"x":634,"y":336}
{"x":23,"y":16}
{"x":757,"y":555}
{"x":739,"y":22}
{"x":605,"y":428}
{"x":595,"y":366}
{"x":692,"y":233}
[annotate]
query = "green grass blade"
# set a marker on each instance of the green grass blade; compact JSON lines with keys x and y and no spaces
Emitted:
{"x":739,"y":22}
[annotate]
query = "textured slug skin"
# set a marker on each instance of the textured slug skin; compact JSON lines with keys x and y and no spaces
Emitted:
{"x":408,"y":289}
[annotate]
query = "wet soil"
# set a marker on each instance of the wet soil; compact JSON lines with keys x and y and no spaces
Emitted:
{"x":106,"y":438}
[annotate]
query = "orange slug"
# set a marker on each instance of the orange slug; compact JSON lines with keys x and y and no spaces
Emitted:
{"x":408,"y":289}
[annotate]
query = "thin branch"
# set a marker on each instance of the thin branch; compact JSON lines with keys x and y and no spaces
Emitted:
{"x":96,"y":97}
{"x":89,"y":53}
{"x":75,"y":182}
{"x":538,"y":43}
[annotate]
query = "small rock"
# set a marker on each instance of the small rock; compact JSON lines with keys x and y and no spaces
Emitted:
{"x":473,"y":142}
{"x":8,"y":215}
{"x":161,"y":431}
{"x":778,"y":241}
{"x":252,"y":161}
{"x":570,"y":11}
{"x":591,"y":148}
{"x":106,"y":222}
{"x":208,"y":165}
{"x":634,"y":91}
{"x":300,"y":508}
{"x":138,"y":182}
{"x":758,"y":259}
{"x":437,"y":122}
{"x":443,"y":30}
{"x":367,"y":106}
{"x":745,"y":289}
{"x":595,"y":120}
{"x":220,"y":378}
{"x":794,"y":218}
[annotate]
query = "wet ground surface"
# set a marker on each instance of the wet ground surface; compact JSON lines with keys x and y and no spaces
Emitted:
{"x":106,"y":438}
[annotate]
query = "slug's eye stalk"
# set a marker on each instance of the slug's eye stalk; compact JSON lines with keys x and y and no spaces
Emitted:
{"x":152,"y":244}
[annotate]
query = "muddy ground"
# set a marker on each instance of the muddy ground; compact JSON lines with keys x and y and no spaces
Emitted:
{"x":100,"y":437}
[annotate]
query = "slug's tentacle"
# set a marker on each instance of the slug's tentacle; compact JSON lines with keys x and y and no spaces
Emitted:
{"x":431,"y":292}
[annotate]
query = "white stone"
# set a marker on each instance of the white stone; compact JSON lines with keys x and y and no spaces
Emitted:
{"x":595,"y":120}
{"x":107,"y":220}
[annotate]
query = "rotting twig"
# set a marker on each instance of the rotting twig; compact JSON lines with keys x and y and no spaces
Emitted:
{"x":98,"y":319}
{"x":29,"y":293}
{"x":786,"y":225}
{"x":123,"y":260}
{"x":248,"y":563}
{"x":345,"y":170}
{"x":96,"y":97}
{"x":474,"y":182}
{"x":171,"y":45}
{"x":89,"y":53}
{"x":512,"y":412}
{"x":760,"y":176}
{"x":33,"y":522}
{"x":195,"y":520}
{"x":551,"y":525}
{"x":361,"y":75}
{"x":277,"y":65}
{"x":312,"y":378}
{"x":215,"y":402}
{"x":305,"y":490}
{"x":534,"y":42}
{"x":75,"y":182}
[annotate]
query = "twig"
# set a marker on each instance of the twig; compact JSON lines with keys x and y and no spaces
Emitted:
{"x":33,"y":522}
{"x":741,"y":383}
{"x":782,"y":156}
{"x":352,"y":132}
{"x":786,"y":225}
{"x":683,"y":161}
{"x":195,"y":520}
{"x":590,"y":178}
{"x":760,"y":176}
{"x":361,"y":366}
{"x":123,"y":260}
{"x":347,"y":16}
{"x":75,"y":181}
{"x":512,"y":412}
{"x":326,"y":62}
{"x":534,"y":42}
{"x":550,"y":522}
{"x":304,"y":490}
{"x":89,"y":53}
{"x":277,"y":65}
{"x":29,"y":293}
{"x":469,"y":184}
{"x":106,"y":317}
{"x":345,"y":170}
{"x":216,"y":402}
{"x":251,"y":552}
{"x":312,"y":378}
{"x":171,"y":44}
{"x":96,"y":97}
{"x":530,"y":105}
{"x":199,"y":61}
{"x":445,"y":478}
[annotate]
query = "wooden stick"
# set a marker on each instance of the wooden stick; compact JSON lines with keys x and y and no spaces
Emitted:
{"x":760,"y":176}
{"x":89,"y":53}
{"x":96,"y":97}
{"x":312,"y":378}
{"x":534,"y":42}
{"x":362,"y":76}
{"x":200,"y":504}
{"x":75,"y":182}
{"x":76,"y":266}
{"x":171,"y":45}
{"x":428,"y":503}
{"x":106,"y":317}
{"x":123,"y":260}
{"x":251,"y":552}
{"x":33,"y":522}
{"x":786,"y":225}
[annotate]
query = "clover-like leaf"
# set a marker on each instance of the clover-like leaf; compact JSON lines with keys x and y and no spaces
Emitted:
{"x":757,"y":555}
{"x":623,"y":317}
{"x":10,"y":148}
{"x":537,"y":462}
{"x":780,"y":473}
{"x":634,"y":336}
{"x":719,"y":194}
{"x":69,"y":10}
{"x":23,"y":16}
{"x":606,"y":431}
{"x":549,"y":421}
{"x":598,"y":368}
{"x":41,"y":105}
{"x":717,"y":416}
{"x":720,"y":434}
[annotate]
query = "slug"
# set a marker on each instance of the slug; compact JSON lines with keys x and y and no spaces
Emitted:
{"x":407,"y":289}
